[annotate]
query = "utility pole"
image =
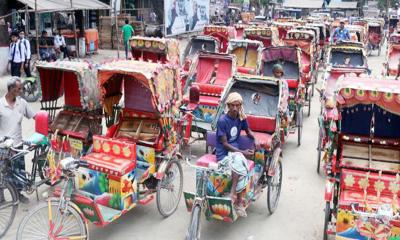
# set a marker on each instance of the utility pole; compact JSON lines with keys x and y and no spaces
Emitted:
{"x":74,"y":29}
{"x":37,"y":30}
{"x":116,"y":26}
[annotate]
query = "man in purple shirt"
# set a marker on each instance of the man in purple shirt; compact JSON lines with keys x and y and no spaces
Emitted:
{"x":229,"y":127}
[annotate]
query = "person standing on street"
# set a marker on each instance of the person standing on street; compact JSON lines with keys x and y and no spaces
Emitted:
{"x":16,"y":56}
{"x":27,"y":47}
{"x":59,"y":44}
{"x":12,"y":110}
{"x":126,"y":34}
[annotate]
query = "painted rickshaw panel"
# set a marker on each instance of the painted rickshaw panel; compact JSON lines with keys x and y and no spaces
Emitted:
{"x":222,"y":33}
{"x":393,"y":55}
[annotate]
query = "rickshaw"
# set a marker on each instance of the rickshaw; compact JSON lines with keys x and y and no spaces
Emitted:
{"x":315,"y":30}
{"x":362,"y":163}
{"x":375,"y":36}
{"x":247,"y":17}
{"x":283,"y":28}
{"x":136,"y":159}
{"x":222,"y":33}
{"x":156,"y":50}
{"x":213,"y":179}
{"x":306,"y":41}
{"x":290,"y":59}
{"x":269,"y":36}
{"x":74,"y":119}
{"x":393,"y":21}
{"x":322,"y":36}
{"x":358,"y":34}
{"x":392,"y":64}
{"x":210,"y":73}
{"x":248,"y":55}
{"x":197,"y":44}
{"x":335,"y":70}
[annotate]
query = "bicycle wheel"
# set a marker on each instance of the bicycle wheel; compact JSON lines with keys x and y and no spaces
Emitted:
{"x":319,"y":149}
{"x":299,"y":121}
{"x":274,"y":189}
{"x":46,"y":221}
{"x":8,"y":206}
{"x":193,"y":232}
{"x":169,"y":189}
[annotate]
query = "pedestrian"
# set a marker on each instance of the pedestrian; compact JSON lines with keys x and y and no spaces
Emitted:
{"x":59,"y":44}
{"x":16,"y":56}
{"x":12,"y":110}
{"x":27,"y":47}
{"x":126,"y":34}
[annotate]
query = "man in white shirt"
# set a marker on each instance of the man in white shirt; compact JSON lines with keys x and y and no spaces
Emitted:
{"x":16,"y":55}
{"x":60,"y":45}
{"x":27,"y":47}
{"x":13,"y":109}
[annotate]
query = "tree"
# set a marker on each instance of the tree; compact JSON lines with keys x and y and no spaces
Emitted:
{"x":382,"y":4}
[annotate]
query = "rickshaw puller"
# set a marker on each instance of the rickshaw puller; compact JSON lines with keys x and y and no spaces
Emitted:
{"x":229,"y":127}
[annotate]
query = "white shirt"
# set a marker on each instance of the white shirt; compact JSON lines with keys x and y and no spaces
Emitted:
{"x":27,"y":45}
{"x":17,"y":52}
{"x":59,"y":41}
{"x":11,"y":118}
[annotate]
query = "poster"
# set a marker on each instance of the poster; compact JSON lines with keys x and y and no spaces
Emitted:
{"x":183,"y":16}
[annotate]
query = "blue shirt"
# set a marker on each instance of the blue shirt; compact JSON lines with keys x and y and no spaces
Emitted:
{"x":231,"y":128}
{"x":341,"y":34}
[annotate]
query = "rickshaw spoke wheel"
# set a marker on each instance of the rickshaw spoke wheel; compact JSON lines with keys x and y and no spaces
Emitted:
{"x":169,"y":189}
{"x":319,"y":150}
{"x":193,"y":232}
{"x":274,"y":188}
{"x":8,"y":197}
{"x":327,"y":219}
{"x":64,"y":225}
{"x":299,"y":123}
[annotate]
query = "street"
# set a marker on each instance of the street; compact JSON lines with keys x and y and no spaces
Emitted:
{"x":299,"y":214}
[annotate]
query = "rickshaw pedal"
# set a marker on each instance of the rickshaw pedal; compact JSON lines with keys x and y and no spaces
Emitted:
{"x":146,"y":200}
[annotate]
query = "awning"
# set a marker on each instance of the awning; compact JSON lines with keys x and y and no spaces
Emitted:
{"x":64,"y":5}
{"x":343,"y":5}
{"x":308,"y":4}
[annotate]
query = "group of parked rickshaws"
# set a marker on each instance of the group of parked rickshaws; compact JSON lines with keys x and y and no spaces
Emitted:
{"x":153,"y":104}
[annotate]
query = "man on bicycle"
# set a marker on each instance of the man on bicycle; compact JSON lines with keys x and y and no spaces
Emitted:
{"x":229,"y":127}
{"x":12,"y":110}
{"x":341,"y":33}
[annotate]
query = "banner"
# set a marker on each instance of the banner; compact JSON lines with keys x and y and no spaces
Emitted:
{"x":183,"y":16}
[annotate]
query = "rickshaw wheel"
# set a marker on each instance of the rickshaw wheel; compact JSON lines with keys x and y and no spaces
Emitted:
{"x":168,"y":202}
{"x":309,"y":104}
{"x":193,"y":232}
{"x":379,"y":50}
{"x":327,"y":219}
{"x":274,"y":189}
{"x":299,"y":125}
{"x":319,"y":150}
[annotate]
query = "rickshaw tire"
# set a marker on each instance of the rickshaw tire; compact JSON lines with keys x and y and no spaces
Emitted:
{"x":159,"y":185}
{"x":13,"y":191}
{"x":271,"y":209}
{"x":299,"y":125}
{"x":327,"y":219}
{"x":309,"y":106}
{"x":193,"y":232}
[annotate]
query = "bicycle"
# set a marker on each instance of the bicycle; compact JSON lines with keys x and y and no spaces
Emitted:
{"x":58,"y":218}
{"x":9,"y":198}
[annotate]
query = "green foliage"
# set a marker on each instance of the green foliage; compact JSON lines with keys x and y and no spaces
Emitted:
{"x":382,"y":4}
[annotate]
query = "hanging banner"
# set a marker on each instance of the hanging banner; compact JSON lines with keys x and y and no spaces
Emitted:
{"x":182,"y":16}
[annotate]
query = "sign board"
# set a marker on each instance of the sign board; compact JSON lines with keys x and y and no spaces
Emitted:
{"x":182,"y":16}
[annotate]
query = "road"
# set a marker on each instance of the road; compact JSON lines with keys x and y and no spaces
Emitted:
{"x":299,"y":215}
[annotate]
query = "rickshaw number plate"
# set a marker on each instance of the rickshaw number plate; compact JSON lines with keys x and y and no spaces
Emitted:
{"x":76,"y":144}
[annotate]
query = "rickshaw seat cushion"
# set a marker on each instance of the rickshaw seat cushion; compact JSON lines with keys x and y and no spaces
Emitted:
{"x":210,"y":89}
{"x":246,"y":70}
{"x":352,"y":192}
{"x":261,"y":123}
{"x":205,"y":160}
{"x":209,"y":101}
{"x":293,"y":83}
{"x":112,"y":156}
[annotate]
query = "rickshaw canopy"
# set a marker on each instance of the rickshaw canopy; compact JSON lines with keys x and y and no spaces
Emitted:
{"x":269,"y":36}
{"x":164,"y":50}
{"x":76,"y":80}
{"x":248,"y":54}
{"x":202,"y":43}
{"x":355,"y":51}
{"x":148,"y":87}
{"x":288,"y":56}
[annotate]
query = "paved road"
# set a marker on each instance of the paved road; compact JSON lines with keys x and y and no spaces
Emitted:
{"x":299,"y":214}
